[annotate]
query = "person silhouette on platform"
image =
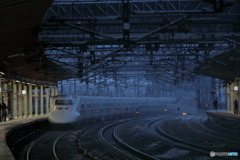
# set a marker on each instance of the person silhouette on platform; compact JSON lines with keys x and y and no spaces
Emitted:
{"x":178,"y":109}
{"x":235,"y":107}
{"x":215,"y":104}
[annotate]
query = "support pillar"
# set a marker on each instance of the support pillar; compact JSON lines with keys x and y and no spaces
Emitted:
{"x":30,"y":107}
{"x":61,"y":87}
{"x":52,"y":91}
{"x":25,"y":106}
{"x":1,"y":90}
{"x":5,"y":94}
{"x":55,"y":90}
{"x":41,"y":99}
{"x":231,"y":98}
{"x":87,"y":89}
{"x":19,"y":100}
{"x":70,"y":87}
{"x":75,"y":86}
{"x":47,"y":100}
{"x":36,"y":100}
{"x":5,"y":98}
{"x":14,"y":114}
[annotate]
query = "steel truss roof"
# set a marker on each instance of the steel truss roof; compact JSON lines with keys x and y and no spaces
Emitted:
{"x":167,"y":39}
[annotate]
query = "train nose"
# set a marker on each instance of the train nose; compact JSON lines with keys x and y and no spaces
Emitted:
{"x":63,"y":117}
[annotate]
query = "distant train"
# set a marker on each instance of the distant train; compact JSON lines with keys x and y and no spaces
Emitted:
{"x":71,"y":108}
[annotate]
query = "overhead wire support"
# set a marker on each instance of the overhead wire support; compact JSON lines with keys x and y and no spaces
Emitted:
{"x":126,"y":23}
{"x":91,"y":32}
{"x":58,"y":49}
{"x":161,"y":28}
{"x":132,"y":44}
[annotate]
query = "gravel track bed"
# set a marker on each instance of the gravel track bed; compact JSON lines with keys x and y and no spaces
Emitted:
{"x":136,"y":136}
{"x":68,"y":148}
{"x":178,"y":127}
{"x":43,"y":147}
{"x":83,"y":143}
{"x":228,"y":131}
{"x":228,"y":137}
{"x":89,"y":144}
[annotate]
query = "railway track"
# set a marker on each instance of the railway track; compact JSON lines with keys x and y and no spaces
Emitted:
{"x":152,"y":129}
{"x":197,"y":124}
{"x":45,"y":146}
{"x":113,"y":137}
{"x":199,"y":141}
{"x":114,"y":143}
{"x":110,"y":144}
{"x":173,"y":139}
{"x":211,"y":125}
{"x":129,"y":148}
{"x":149,"y":135}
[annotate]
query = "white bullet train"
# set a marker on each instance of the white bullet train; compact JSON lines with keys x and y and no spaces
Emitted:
{"x":64,"y":109}
{"x":71,"y":108}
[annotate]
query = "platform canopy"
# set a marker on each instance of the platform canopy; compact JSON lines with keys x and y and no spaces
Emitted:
{"x":171,"y":40}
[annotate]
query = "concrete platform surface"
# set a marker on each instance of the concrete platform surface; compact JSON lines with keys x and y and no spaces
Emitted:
{"x":223,"y":114}
{"x":5,"y":153}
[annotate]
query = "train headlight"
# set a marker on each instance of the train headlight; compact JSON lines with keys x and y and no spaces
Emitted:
{"x":184,"y":113}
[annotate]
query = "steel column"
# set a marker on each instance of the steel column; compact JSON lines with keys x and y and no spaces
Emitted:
{"x":30,"y":107}
{"x":14,"y":101}
{"x":36,"y":100}
{"x":20,"y":111}
{"x":41,"y":99}
{"x":47,"y":100}
{"x":25,"y":103}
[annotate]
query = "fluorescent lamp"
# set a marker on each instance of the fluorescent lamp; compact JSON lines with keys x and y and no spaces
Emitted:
{"x":235,"y":88}
{"x":16,"y":55}
{"x":24,"y":91}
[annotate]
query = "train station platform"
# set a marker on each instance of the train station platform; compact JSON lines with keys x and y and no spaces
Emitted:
{"x":5,"y":127}
{"x":223,"y":114}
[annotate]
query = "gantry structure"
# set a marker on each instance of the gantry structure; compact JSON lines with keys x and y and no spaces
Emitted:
{"x":102,"y":40}
{"x":171,"y":40}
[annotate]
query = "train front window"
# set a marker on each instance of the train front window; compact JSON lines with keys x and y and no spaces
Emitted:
{"x":63,"y":102}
